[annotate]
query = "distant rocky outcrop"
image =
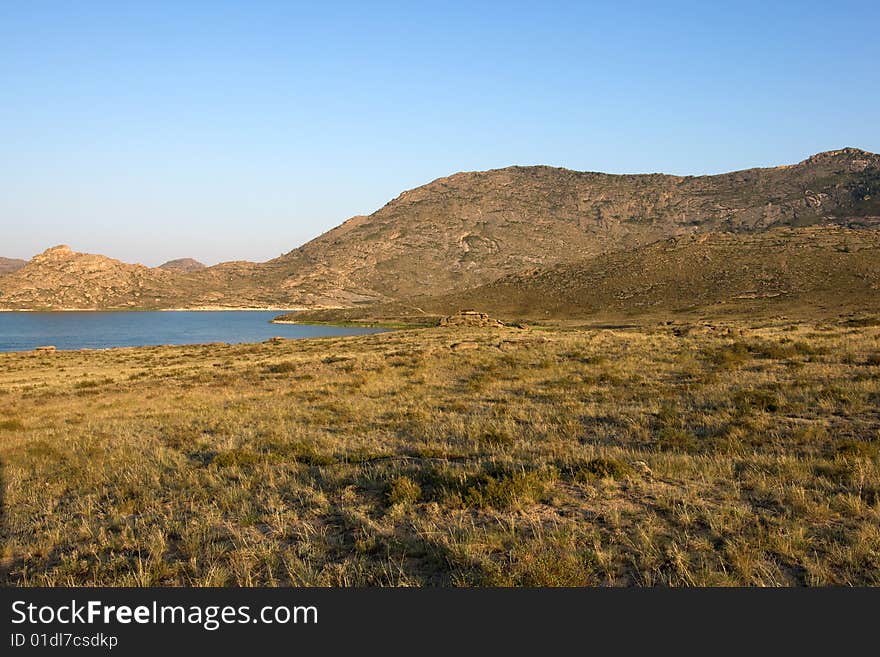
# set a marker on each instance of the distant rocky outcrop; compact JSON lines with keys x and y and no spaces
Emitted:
{"x":469,"y":318}
{"x":182,"y":265}
{"x":62,"y":278}
{"x":9,"y":265}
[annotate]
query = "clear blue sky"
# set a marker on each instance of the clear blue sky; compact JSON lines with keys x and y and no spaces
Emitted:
{"x":239,"y":130}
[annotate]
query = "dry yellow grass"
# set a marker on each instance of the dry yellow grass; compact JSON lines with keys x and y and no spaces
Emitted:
{"x":741,"y":455}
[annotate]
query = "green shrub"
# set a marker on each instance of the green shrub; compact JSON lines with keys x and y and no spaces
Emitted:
{"x":282,"y":368}
{"x":602,"y":468}
{"x":728,"y":356}
{"x":760,"y":400}
{"x":236,"y":457}
{"x":403,"y":490}
{"x":505,"y":491}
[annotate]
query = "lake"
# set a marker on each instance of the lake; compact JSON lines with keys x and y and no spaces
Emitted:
{"x":98,"y":330}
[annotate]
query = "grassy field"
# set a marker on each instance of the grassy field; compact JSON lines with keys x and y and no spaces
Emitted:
{"x":662,"y":455}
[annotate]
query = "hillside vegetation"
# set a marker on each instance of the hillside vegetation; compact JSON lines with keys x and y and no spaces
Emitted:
{"x":810,"y":272}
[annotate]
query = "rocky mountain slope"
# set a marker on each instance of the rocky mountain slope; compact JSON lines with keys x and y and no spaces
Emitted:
{"x":817,"y":271}
{"x":9,"y":265}
{"x":470,"y":229}
{"x":814,"y":271}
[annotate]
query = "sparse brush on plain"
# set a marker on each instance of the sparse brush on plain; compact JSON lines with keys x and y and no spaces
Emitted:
{"x":560,"y":456}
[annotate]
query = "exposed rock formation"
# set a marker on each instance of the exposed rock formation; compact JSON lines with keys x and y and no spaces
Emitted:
{"x":60,"y":278}
{"x":469,"y":318}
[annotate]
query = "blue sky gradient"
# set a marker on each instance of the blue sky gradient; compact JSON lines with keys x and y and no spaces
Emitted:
{"x":239,"y":130}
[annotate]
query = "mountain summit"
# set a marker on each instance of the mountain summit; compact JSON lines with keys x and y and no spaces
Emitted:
{"x":182,"y":264}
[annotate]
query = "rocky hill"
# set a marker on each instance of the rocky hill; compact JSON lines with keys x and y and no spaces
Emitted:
{"x":61,"y":278}
{"x":182,"y":265}
{"x":9,"y":265}
{"x":470,"y":229}
{"x":818,"y":271}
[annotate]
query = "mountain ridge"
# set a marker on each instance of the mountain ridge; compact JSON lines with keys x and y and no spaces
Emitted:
{"x":469,"y":229}
{"x":586,"y":213}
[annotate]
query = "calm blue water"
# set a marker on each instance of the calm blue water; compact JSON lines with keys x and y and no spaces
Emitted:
{"x":98,"y":330}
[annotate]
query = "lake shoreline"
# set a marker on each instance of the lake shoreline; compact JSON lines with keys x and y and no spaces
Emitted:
{"x":389,"y":325}
{"x":213,"y":309}
{"x":67,"y":331}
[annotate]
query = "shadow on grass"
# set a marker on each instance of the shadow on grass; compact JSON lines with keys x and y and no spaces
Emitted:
{"x":4,"y":529}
